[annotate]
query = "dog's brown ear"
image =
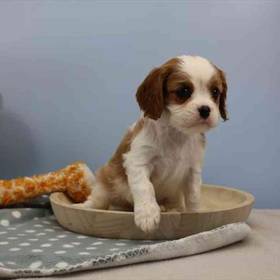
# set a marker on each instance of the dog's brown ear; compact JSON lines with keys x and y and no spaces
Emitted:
{"x":150,"y":95}
{"x":223,"y":96}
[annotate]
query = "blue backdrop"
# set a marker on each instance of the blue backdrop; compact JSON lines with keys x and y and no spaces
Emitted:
{"x":69,"y":72}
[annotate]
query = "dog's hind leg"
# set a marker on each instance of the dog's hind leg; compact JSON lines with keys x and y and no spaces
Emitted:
{"x":98,"y":199}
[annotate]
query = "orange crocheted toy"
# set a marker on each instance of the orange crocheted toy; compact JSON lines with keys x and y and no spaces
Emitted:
{"x":76,"y":180}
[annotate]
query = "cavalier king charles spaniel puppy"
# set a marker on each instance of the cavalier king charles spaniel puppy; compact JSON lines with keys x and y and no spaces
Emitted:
{"x":157,"y":166}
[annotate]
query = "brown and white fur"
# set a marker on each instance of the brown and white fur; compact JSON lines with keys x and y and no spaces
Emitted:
{"x":158,"y":163}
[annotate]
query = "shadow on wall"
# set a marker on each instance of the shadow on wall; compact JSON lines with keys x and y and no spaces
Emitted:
{"x":17,"y":150}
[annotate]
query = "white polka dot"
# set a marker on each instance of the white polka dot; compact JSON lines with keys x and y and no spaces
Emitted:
{"x":36,"y":218}
{"x":46,"y":222}
{"x":76,"y":243}
{"x":60,"y":252}
{"x":114,"y":249}
{"x":41,"y":234}
{"x":84,"y":253}
{"x":4,"y":242}
{"x":3,"y":232}
{"x":12,"y":263}
{"x":30,"y":231}
{"x":49,"y":230}
{"x":37,"y":250}
{"x":4,"y":223}
{"x":67,"y":246}
{"x":46,"y":245}
{"x":21,"y":234}
{"x":61,"y":265}
{"x":1,"y":264}
{"x":91,"y":248}
{"x":97,"y":243}
{"x":33,"y":239}
{"x":120,"y":244}
{"x":12,"y":238}
{"x":35,"y":265}
{"x":38,"y":225}
{"x":81,"y":237}
{"x":14,"y":249}
{"x":24,"y":244}
{"x":53,"y":239}
{"x":12,"y":228}
{"x":61,"y":236}
{"x":16,"y":214}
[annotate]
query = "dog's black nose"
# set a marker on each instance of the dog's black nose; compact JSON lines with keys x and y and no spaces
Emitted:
{"x":204,"y":111}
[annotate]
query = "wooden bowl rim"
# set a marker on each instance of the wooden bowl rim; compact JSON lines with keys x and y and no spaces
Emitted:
{"x":249,"y":200}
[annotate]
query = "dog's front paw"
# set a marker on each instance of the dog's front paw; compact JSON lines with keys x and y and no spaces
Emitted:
{"x":147,"y":216}
{"x":192,"y":206}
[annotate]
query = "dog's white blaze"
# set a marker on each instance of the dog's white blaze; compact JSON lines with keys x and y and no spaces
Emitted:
{"x":199,"y":68}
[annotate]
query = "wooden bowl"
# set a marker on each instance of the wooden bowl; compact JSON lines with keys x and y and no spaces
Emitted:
{"x":219,"y":206}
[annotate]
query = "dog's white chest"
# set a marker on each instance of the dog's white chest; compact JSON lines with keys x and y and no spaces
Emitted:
{"x":173,"y":163}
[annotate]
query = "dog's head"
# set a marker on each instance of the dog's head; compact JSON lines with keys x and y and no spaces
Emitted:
{"x":189,"y":90}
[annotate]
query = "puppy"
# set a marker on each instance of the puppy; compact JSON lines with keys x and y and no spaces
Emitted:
{"x":157,"y":165}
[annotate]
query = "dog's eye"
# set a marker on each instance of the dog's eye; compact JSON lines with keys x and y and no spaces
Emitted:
{"x":184,"y":92}
{"x":215,"y":92}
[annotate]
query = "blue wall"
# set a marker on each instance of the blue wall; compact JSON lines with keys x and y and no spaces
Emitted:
{"x":69,"y":71}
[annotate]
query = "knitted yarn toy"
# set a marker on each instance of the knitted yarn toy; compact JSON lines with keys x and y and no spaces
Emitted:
{"x":76,"y":180}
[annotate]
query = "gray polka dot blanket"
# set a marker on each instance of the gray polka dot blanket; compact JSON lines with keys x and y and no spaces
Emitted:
{"x":32,"y":243}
